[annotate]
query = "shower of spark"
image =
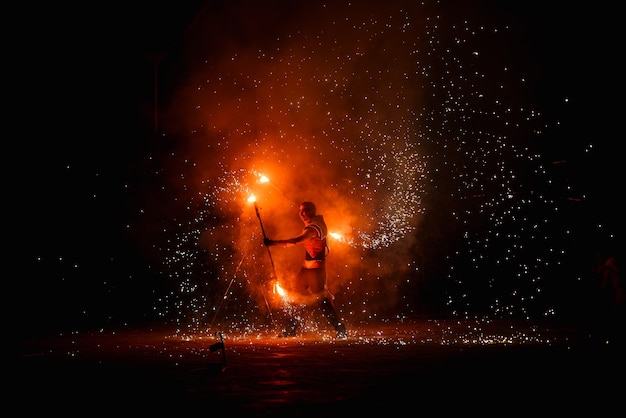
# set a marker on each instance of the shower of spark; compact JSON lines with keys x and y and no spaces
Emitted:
{"x":408,"y":127}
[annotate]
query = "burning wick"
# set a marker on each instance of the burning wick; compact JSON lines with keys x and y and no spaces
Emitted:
{"x":252,"y":199}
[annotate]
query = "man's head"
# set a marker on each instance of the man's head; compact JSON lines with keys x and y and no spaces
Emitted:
{"x":307,"y":211}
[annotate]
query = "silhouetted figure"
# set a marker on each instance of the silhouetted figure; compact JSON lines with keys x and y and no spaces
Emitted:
{"x":310,"y":281}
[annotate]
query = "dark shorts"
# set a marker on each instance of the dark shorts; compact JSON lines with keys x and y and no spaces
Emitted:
{"x":310,"y":281}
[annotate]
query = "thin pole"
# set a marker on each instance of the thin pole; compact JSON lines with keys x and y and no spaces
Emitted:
{"x":258,"y":215}
{"x":226,"y":292}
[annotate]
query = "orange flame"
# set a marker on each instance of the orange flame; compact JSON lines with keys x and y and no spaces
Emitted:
{"x":251,"y":199}
{"x":336,"y":236}
{"x":279,"y":290}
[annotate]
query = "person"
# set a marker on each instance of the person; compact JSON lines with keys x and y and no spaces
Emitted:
{"x":311,"y":278}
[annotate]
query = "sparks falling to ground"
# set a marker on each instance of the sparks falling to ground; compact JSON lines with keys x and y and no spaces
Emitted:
{"x":409,"y":126}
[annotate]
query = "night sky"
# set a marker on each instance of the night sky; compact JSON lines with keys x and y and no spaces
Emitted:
{"x":466,"y":153}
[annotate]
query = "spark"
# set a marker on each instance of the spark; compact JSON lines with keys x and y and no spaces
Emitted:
{"x":385,"y":120}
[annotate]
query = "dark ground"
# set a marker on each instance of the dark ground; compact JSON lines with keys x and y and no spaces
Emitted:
{"x":428,"y":366}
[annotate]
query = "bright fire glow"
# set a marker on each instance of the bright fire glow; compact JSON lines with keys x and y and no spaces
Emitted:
{"x":279,"y":290}
{"x":424,"y":169}
{"x":336,"y":236}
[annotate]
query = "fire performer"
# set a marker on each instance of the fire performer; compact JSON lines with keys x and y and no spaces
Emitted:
{"x":311,"y":279}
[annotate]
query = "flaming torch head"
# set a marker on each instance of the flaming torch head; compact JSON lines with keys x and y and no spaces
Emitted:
{"x":279,"y":290}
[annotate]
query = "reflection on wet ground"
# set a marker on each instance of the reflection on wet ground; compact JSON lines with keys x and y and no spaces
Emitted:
{"x":423,"y":365}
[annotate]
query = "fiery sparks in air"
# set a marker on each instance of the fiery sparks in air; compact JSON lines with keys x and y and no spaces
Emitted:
{"x":414,"y":142}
